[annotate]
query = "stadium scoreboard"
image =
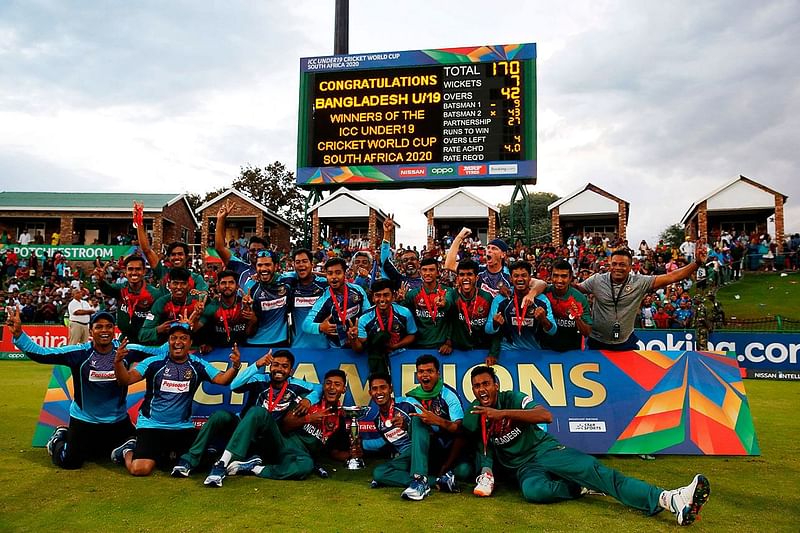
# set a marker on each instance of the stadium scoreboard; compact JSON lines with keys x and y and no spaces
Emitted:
{"x":424,"y":118}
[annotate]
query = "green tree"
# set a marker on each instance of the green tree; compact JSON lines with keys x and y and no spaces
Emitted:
{"x":539,"y":221}
{"x":673,"y":235}
{"x":275,"y":187}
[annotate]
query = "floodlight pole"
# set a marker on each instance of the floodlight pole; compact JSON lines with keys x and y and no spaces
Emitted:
{"x":341,"y":37}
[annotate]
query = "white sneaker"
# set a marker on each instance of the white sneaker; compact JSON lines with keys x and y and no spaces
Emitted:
{"x":485,"y":485}
{"x":685,"y":503}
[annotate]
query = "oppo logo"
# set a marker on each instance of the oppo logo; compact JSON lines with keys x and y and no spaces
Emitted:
{"x":442,"y":171}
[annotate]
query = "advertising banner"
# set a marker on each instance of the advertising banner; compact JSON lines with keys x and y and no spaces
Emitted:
{"x":88,"y":252}
{"x":762,"y":354}
{"x":671,"y":402}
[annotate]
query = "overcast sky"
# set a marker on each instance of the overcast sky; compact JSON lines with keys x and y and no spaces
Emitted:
{"x":657,"y":102}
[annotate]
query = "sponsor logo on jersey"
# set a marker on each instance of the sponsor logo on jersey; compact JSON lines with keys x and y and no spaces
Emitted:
{"x":269,"y":305}
{"x":395,"y":434}
{"x":305,"y":301}
{"x":102,"y":375}
{"x":411,"y":172}
{"x":471,"y":170}
{"x":177,"y":387}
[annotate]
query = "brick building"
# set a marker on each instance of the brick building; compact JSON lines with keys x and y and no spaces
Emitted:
{"x":346,"y":214}
{"x":741,"y":204}
{"x":95,"y":218}
{"x":457,"y":210}
{"x":248,"y":218}
{"x":588,"y":210}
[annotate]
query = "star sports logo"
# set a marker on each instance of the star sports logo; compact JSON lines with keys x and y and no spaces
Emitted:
{"x":471,"y":170}
{"x":412,"y":172}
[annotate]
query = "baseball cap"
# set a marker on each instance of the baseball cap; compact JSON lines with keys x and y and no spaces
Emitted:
{"x":500,"y":243}
{"x":104,"y":315}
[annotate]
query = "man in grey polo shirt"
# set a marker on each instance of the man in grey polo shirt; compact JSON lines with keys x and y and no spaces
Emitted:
{"x":618,"y":296}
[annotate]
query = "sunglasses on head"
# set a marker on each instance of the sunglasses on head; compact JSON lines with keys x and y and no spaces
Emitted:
{"x":264,"y":253}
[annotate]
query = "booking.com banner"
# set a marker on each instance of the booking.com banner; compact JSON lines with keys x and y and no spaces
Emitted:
{"x":761,"y":355}
{"x":670,"y":402}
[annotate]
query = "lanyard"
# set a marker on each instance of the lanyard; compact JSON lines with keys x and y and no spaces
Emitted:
{"x":272,"y":405}
{"x":341,"y":311}
{"x":433,"y":308}
{"x":520,"y":317}
{"x":380,"y":320}
{"x":616,"y":298}
{"x":467,"y":315}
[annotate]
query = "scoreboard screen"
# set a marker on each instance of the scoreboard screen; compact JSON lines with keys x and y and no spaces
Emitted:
{"x":427,"y":118}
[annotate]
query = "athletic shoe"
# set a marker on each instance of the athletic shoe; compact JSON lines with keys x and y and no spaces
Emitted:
{"x":322,"y":472}
{"x":418,"y":489}
{"x":242,"y":468}
{"x":485,"y":485}
{"x":59,"y":434}
{"x":182,"y":469}
{"x":217,"y":474}
{"x":447,"y":482}
{"x":374,"y":484}
{"x":118,"y":453}
{"x":586,"y":491}
{"x":686,"y":502}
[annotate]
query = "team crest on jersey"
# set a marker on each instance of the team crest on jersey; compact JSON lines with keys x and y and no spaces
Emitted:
{"x":167,"y":372}
{"x":628,"y":289}
{"x":187,"y":374}
{"x":280,"y":290}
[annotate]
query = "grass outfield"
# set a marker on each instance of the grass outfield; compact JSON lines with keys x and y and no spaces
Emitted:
{"x":748,"y":493}
{"x":762,"y":296}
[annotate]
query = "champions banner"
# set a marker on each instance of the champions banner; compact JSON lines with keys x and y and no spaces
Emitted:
{"x":640,"y":402}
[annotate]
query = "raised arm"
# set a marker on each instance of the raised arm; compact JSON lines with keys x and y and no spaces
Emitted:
{"x":219,"y":232}
{"x":701,"y":254}
{"x":144,"y":242}
{"x":451,"y":260}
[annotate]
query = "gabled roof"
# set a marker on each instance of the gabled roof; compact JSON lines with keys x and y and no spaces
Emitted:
{"x":463,"y":191}
{"x":718,"y":190}
{"x":344,"y":192}
{"x":272,"y":215}
{"x":588,"y":187}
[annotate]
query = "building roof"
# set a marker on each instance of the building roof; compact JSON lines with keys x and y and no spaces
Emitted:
{"x":693,"y":208}
{"x":587,"y":187}
{"x":272,"y":215}
{"x":89,"y":201}
{"x":344,"y":192}
{"x":79,"y":201}
{"x":463,"y":191}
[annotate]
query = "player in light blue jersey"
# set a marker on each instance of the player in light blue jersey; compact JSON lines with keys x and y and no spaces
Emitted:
{"x":307,"y":288}
{"x":98,"y":416}
{"x":165,"y":425}
{"x":271,"y":302}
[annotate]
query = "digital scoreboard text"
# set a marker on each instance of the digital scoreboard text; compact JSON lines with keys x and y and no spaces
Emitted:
{"x":418,"y":125}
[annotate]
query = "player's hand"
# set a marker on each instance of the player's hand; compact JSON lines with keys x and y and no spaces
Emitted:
{"x":463,"y":234}
{"x":388,"y":227}
{"x":265,"y":360}
{"x":302,"y":407}
{"x":398,"y":421}
{"x":505,"y":290}
{"x":235,"y":357}
{"x":318,"y":416}
{"x":13,"y":321}
{"x":540,"y":314}
{"x":327,"y":327}
{"x":528,"y":299}
{"x":352,"y":330}
{"x":206,"y":349}
{"x":489,"y":412}
{"x":247,"y":302}
{"x":427,"y":417}
{"x":445,"y":349}
{"x":363,"y":272}
{"x":122,"y":351}
{"x":247,"y":313}
{"x":225,"y":209}
{"x":490,"y":360}
{"x":402,"y":291}
{"x":498,"y":319}
{"x":440,"y":298}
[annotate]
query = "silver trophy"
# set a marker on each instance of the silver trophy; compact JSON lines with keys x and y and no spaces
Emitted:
{"x":354,"y":413}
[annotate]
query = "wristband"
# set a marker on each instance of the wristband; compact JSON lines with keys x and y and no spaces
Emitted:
{"x":237,"y":366}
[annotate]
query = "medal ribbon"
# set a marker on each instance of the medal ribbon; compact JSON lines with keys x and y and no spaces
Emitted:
{"x":131,"y":300}
{"x":380,"y":320}
{"x":520,"y":317}
{"x":341,"y":311}
{"x":484,"y":434}
{"x":390,"y":417}
{"x":227,"y":315}
{"x":272,"y":405}
{"x":433,"y":308}
{"x":467,"y":316}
